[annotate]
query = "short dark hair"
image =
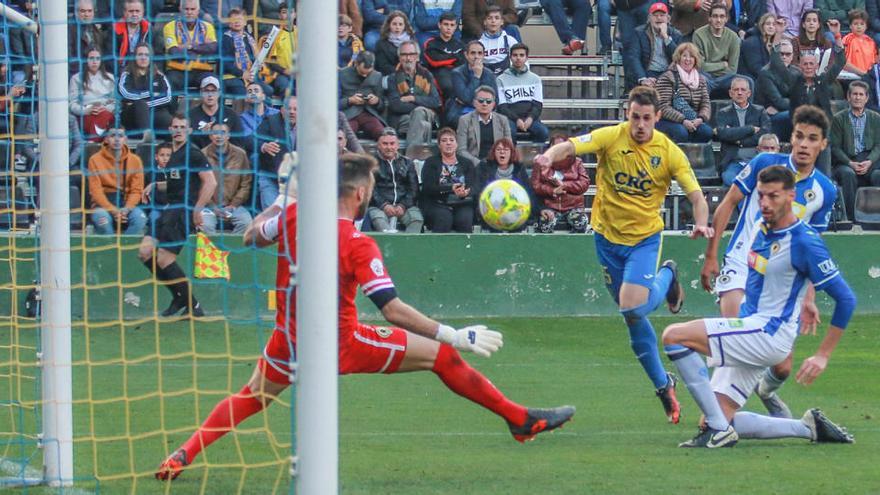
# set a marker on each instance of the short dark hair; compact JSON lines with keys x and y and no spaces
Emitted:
{"x":716,"y":6}
{"x":812,"y":115}
{"x":643,"y":95}
{"x":520,"y":46}
{"x":493,"y":9}
{"x":467,"y":48}
{"x":778,"y":173}
{"x":180,"y":116}
{"x":445,"y":130}
{"x":447,"y":16}
{"x":858,"y":14}
{"x":859,"y":84}
{"x":355,"y":170}
{"x":164,"y":145}
{"x":235,"y":11}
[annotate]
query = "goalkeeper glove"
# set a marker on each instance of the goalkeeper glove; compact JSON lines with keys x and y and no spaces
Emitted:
{"x":477,"y":339}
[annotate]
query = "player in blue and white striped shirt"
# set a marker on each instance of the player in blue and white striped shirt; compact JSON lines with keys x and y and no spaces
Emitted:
{"x":814,"y":198}
{"x":784,"y":257}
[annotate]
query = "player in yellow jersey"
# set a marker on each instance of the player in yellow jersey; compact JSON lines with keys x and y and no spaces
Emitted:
{"x":636,"y":167}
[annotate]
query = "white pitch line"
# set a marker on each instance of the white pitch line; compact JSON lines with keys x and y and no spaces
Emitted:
{"x":14,"y":468}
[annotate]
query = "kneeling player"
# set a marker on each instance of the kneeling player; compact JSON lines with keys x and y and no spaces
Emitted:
{"x":417,"y":343}
{"x":784,"y":255}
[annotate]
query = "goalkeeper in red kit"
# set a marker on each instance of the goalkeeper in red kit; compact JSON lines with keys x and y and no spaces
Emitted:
{"x":414,"y":343}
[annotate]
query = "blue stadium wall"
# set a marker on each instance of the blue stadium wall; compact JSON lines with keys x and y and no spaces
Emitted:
{"x":446,"y":276}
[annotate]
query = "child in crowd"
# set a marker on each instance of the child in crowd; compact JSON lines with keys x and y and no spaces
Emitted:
{"x":349,"y":44}
{"x":496,"y":41}
{"x":861,"y":51}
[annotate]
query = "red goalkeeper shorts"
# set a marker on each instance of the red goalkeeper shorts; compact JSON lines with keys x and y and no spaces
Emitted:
{"x":367,"y":349}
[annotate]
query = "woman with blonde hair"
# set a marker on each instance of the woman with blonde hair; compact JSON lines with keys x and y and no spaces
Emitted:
{"x":685,"y":108}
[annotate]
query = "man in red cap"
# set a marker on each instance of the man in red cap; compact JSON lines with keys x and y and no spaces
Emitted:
{"x":657,"y":40}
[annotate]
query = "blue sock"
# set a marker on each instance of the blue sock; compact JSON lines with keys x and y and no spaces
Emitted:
{"x":643,"y":339}
{"x":695,"y":374}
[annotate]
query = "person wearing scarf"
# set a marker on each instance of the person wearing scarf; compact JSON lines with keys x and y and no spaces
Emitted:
{"x":395,"y":31}
{"x":237,"y":50}
{"x":190,"y":42}
{"x":685,"y":108}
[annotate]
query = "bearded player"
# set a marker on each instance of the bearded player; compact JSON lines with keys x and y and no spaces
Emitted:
{"x":415,"y":343}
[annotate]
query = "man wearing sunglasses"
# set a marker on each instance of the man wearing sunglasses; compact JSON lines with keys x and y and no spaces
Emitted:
{"x":478,"y":130}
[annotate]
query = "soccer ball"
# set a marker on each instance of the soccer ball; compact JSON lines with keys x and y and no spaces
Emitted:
{"x":505,"y":205}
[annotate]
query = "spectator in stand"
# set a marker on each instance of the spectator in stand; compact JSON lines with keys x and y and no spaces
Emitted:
{"x":772,"y":92}
{"x":234,"y":176}
{"x":155,"y":195}
{"x":351,"y":9}
{"x":449,"y":182}
{"x":685,"y":108}
{"x":855,"y":145}
{"x":630,"y":15}
{"x":465,"y":81}
{"x":791,"y":13}
{"x":689,"y":15}
{"x":349,"y":43}
{"x":657,"y":41}
{"x":129,"y":32}
{"x":84,"y":33}
{"x":277,"y":68}
{"x":395,"y":31}
{"x":873,"y":8}
{"x":145,"y":93}
{"x":738,"y":126}
{"x":572,"y":35}
{"x":188,"y":183}
{"x":374,"y":13}
{"x":216,"y":11}
{"x":521,"y":96}
{"x":811,"y":36}
{"x":502,"y":162}
{"x":443,"y":53}
{"x":496,"y":41}
{"x":838,"y":10}
{"x":559,"y":190}
{"x":719,"y":47}
{"x":480,"y":129}
{"x":209,"y":111}
{"x":474,"y":11}
{"x":276,"y":136}
{"x":755,"y":51}
{"x":745,"y":16}
{"x":360,"y":87}
{"x":809,"y":88}
{"x":768,"y":143}
{"x":353,"y":144}
{"x":397,"y":185}
{"x":116,"y":181}
{"x":92,"y":96}
{"x":237,"y":54}
{"x":191,"y":46}
{"x":861,"y":51}
{"x":413,"y":100}
{"x":255,"y":110}
{"x":426,"y":16}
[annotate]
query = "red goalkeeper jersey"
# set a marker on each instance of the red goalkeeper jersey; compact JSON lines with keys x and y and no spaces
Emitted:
{"x":360,"y":264}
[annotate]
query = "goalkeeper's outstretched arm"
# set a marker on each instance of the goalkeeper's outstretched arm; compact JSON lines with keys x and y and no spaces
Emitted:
{"x":263,"y":231}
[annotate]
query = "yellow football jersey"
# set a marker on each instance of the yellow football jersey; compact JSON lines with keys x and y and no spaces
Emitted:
{"x":632,"y":181}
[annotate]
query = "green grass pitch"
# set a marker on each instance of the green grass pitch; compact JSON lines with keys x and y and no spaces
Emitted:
{"x":407,"y":434}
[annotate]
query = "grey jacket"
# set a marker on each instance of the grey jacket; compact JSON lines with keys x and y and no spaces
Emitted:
{"x":468,"y":134}
{"x":351,"y":83}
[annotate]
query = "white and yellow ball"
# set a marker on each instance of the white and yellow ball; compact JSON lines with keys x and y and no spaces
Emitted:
{"x":505,"y":205}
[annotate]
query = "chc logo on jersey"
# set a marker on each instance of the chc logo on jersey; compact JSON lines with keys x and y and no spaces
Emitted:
{"x":655,"y":161}
{"x":377,"y":267}
{"x":638,"y":186}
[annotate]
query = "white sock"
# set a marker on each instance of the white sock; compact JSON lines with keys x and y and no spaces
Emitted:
{"x":769,"y":383}
{"x":696,"y":376}
{"x":751,"y":425}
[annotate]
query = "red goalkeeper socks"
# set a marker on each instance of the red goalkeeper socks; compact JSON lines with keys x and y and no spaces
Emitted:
{"x":471,"y":384}
{"x":226,"y":415}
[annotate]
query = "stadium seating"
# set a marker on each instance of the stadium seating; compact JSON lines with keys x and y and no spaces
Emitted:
{"x":867,"y":208}
{"x":702,"y":160}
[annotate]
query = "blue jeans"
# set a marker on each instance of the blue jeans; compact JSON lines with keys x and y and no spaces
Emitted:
{"x":268,"y":189}
{"x":238,"y":218}
{"x":728,"y":176}
{"x":104,"y":222}
{"x":678,"y":133}
{"x":581,"y":12}
{"x":603,"y":10}
{"x":627,"y":22}
{"x":538,"y":132}
{"x":370,"y":40}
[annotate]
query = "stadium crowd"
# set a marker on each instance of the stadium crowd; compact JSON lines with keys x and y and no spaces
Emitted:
{"x":444,"y":89}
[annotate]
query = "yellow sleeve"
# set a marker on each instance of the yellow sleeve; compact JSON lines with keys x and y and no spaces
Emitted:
{"x":681,"y":169}
{"x":168,"y":32}
{"x":594,"y":141}
{"x":210,"y":34}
